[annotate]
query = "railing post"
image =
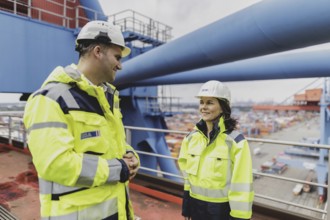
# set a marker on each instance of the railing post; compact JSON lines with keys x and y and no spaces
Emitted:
{"x":128,"y":136}
{"x":15,"y":7}
{"x":77,"y":17}
{"x":29,"y":8}
{"x":147,"y":104}
{"x":64,"y":14}
{"x":24,"y":137}
{"x":9,"y":131}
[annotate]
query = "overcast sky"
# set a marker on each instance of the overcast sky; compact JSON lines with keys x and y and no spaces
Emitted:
{"x":185,"y":16}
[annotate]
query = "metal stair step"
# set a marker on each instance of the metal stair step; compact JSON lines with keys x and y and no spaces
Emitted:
{"x":5,"y":215}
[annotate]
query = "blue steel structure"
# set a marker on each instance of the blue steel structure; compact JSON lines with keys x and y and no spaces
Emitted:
{"x":34,"y":47}
{"x":30,"y":50}
{"x":322,"y":169}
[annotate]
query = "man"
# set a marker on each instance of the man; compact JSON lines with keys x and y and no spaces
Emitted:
{"x":76,"y":135}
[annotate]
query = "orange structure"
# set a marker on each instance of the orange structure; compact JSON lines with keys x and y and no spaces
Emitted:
{"x":308,"y":101}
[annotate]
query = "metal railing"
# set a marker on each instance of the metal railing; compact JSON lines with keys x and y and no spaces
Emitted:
{"x":162,"y":104}
{"x":75,"y":17}
{"x":290,"y":143}
{"x":11,"y":126}
{"x":130,"y":20}
{"x":76,"y":21}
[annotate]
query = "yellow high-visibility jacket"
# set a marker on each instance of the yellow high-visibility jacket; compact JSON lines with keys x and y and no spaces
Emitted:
{"x":76,"y":137}
{"x":218,"y":170}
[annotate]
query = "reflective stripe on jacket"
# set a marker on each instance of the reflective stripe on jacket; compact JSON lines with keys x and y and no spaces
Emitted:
{"x":220,"y":170}
{"x":75,"y":137}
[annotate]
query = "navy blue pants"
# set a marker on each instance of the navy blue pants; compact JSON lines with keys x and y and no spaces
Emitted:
{"x":201,"y":210}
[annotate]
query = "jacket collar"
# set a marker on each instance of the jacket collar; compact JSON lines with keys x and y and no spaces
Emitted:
{"x":71,"y":75}
{"x":218,"y":127}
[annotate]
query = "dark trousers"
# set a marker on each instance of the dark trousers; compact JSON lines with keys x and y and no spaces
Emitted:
{"x":201,"y":210}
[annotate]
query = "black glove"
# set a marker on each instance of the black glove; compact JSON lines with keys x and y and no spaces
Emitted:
{"x":124,"y":173}
{"x":186,"y":204}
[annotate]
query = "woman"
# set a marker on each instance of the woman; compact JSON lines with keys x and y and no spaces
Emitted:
{"x":216,"y":162}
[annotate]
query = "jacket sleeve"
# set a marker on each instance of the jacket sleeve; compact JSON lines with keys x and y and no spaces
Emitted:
{"x":182,"y":164}
{"x":51,"y":143}
{"x":241,"y":192}
{"x":182,"y":161}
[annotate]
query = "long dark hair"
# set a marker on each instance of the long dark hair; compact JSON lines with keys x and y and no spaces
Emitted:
{"x":230,"y":123}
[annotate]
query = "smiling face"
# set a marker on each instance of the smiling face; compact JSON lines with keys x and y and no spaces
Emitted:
{"x":209,"y":108}
{"x":110,"y":63}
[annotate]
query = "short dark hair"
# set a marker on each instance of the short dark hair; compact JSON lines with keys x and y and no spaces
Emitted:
{"x":83,"y":47}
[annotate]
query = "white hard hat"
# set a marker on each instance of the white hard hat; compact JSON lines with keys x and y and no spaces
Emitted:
{"x":215,"y":89}
{"x":105,"y":32}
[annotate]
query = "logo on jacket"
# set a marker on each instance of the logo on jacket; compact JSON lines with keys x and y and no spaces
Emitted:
{"x":89,"y":134}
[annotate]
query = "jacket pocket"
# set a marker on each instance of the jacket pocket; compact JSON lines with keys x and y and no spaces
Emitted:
{"x":88,"y":130}
{"x":93,"y":203}
{"x":220,"y":163}
{"x":91,"y":119}
{"x":193,"y":161}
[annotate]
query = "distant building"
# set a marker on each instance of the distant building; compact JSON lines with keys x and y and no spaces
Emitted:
{"x":308,"y":101}
{"x":310,"y":97}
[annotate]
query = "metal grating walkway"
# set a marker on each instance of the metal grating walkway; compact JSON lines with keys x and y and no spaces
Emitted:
{"x":5,"y":215}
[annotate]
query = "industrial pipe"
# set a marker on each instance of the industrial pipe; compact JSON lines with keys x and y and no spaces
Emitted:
{"x":269,"y":26}
{"x":278,"y":66}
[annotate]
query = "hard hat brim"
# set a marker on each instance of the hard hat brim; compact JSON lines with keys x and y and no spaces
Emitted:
{"x":125,"y":52}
